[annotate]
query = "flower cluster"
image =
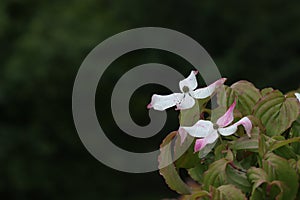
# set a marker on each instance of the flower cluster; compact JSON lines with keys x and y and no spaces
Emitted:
{"x":207,"y":131}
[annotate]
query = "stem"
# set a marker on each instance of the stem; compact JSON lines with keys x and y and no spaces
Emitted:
{"x":236,"y":136}
{"x":221,"y":139}
{"x":208,"y":111}
{"x":268,"y":189}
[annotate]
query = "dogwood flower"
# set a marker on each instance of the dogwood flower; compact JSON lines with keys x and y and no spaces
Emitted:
{"x":186,"y":99}
{"x":209,"y":132}
{"x":298,"y":96}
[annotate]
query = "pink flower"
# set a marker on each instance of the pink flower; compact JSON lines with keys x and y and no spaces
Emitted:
{"x":209,"y":132}
{"x":186,"y":99}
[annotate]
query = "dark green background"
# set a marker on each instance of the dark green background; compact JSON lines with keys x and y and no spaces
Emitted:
{"x":42,"y":46}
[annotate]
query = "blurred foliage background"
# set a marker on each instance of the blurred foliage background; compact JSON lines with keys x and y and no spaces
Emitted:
{"x":43,"y":44}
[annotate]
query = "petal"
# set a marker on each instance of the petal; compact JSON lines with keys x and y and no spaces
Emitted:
{"x":207,"y":91}
{"x":190,"y":81}
{"x":186,"y":103}
{"x":183,"y":134}
{"x":201,"y":129}
{"x":162,"y":102}
{"x":201,"y":143}
{"x":246,"y":122}
{"x":298,"y":96}
{"x":228,"y":130}
{"x":227,"y":118}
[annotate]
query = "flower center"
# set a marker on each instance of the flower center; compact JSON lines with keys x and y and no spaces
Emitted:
{"x":185,"y":89}
{"x":216,"y":126}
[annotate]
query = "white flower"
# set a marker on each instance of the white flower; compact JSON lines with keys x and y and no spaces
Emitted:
{"x":298,"y":96}
{"x":209,"y":132}
{"x":184,"y":100}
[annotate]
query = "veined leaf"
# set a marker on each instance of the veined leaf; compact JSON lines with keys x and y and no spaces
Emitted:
{"x":257,"y":176}
{"x":190,"y":116}
{"x":188,"y":159}
{"x":246,"y":143}
{"x":219,"y":151}
{"x":197,"y":172}
{"x":278,"y":169}
{"x":207,"y":149}
{"x":246,"y":93}
{"x":238,"y":179}
{"x":216,"y":174}
{"x":276,"y":112}
{"x":263,"y":145}
{"x":266,"y":91}
{"x":227,"y":192}
{"x":169,"y":172}
{"x":277,"y":144}
{"x":199,"y":194}
{"x":285,"y":152}
{"x":262,"y":188}
{"x":295,"y":165}
{"x":277,"y":179}
{"x":295,"y":132}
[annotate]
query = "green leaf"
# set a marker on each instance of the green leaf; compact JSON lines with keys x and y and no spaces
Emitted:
{"x":266,"y":91}
{"x":217,"y":113}
{"x":199,"y":194}
{"x":219,"y":151}
{"x":284,"y":151}
{"x":246,"y":143}
{"x":169,"y":172}
{"x":246,"y":159}
{"x":256,"y":123}
{"x":190,"y":116}
{"x":225,"y":97}
{"x":295,"y":165}
{"x":257,"y":177}
{"x":229,"y":155}
{"x":295,"y":132}
{"x":277,"y":179}
{"x":277,"y":144}
{"x":276,"y":112}
{"x":227,"y":192}
{"x":262,"y":145}
{"x":188,"y":159}
{"x":277,"y":191}
{"x":206,"y":150}
{"x":238,"y":179}
{"x":246,"y":93}
{"x":197,"y":172}
{"x":278,"y":169}
{"x":216,"y":174}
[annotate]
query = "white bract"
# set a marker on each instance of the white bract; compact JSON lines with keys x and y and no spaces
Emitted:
{"x":186,"y":99}
{"x":298,"y":96}
{"x":209,"y":132}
